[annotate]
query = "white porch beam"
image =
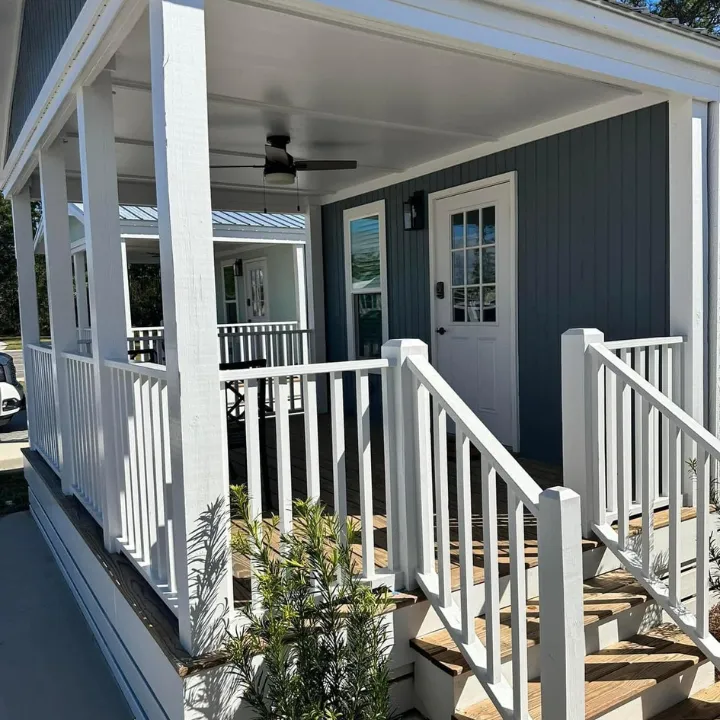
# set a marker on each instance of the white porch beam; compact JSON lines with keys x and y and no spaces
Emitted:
{"x":102,"y":248}
{"x":81,"y":294}
{"x":27,"y":282}
{"x":60,"y":293}
{"x":198,"y":459}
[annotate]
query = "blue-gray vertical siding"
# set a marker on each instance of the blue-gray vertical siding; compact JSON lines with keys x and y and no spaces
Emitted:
{"x":45,"y":27}
{"x":592,"y":252}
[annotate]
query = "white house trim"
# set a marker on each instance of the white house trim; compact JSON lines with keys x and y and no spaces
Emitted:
{"x":357,"y":213}
{"x":537,"y":132}
{"x":97,"y":33}
{"x":511,"y":179}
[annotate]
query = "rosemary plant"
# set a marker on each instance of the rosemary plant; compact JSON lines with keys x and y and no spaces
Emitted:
{"x":315,"y":645}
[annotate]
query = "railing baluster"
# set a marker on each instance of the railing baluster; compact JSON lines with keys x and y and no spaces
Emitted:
{"x":611,"y":442}
{"x":133,"y":432}
{"x":367,"y":527}
{"x":167,"y":477}
{"x":161,"y":563}
{"x":424,"y":479}
{"x":312,"y":451}
{"x":654,"y":430}
{"x":337,"y":426}
{"x":640,"y":369}
{"x":491,"y":566}
{"x":666,"y":388}
{"x":282,"y":433}
{"x":254,"y":468}
{"x":442,"y":505}
{"x":142,"y":471}
{"x":624,"y":460}
{"x":389,"y":446}
{"x":702,"y":606}
{"x":597,"y":423}
{"x":518,"y":613}
{"x":150,"y":481}
{"x":465,"y":549}
{"x":648,"y":487}
{"x":675,"y":501}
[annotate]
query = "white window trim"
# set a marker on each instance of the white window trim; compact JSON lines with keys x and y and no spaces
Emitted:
{"x":357,"y":213}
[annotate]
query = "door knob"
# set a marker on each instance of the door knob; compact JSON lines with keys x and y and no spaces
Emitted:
{"x":441,"y":331}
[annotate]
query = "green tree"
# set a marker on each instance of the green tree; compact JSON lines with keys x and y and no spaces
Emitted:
{"x":145,"y":295}
{"x":9,"y":309}
{"x":704,"y":14}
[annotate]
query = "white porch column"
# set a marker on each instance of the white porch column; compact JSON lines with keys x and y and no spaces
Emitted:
{"x":126,"y":287}
{"x":198,"y":453}
{"x":27,"y":283}
{"x":81,"y":295}
{"x":688,"y":246}
{"x":314,"y":274}
{"x":60,"y":292}
{"x":102,"y":247}
{"x":713,"y":187}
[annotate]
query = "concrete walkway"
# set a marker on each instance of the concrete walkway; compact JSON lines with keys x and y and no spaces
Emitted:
{"x":50,"y":665}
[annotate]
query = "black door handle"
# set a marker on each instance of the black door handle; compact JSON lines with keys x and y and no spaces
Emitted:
{"x":441,"y":331}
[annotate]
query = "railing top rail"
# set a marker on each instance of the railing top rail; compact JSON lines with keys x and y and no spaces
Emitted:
{"x":147,"y":369}
{"x":312,"y":369}
{"x":87,"y":359}
{"x":661,"y":402}
{"x":258,"y":324}
{"x":149,"y":327}
{"x":644,"y":342}
{"x":509,"y":468}
{"x":40,"y":348}
{"x":261,"y":330}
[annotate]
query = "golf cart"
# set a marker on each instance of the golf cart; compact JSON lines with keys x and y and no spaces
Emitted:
{"x":12,"y":396}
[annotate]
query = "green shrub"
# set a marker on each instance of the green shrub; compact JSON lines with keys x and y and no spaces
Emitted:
{"x":315,"y":645}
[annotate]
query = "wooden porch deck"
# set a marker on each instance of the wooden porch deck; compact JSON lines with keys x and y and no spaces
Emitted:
{"x":546,"y":476}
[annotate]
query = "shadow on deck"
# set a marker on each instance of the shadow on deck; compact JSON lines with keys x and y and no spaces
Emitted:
{"x":546,"y":476}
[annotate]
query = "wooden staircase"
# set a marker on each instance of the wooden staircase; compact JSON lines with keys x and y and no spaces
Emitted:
{"x":637,"y":665}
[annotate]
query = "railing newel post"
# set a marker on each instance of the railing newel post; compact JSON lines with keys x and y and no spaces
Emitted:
{"x":561,"y":605}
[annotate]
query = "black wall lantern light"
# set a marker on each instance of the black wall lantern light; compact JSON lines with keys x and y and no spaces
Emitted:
{"x":414,"y":211}
{"x":238,"y":268}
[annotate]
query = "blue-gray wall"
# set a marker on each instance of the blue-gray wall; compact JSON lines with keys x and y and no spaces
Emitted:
{"x":45,"y":27}
{"x":592,"y":252}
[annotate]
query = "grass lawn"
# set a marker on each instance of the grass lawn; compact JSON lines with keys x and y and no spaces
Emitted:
{"x":13,"y":492}
{"x":15,"y":343}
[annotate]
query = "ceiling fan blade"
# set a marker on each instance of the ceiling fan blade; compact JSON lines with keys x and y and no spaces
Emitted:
{"x":326,"y":164}
{"x":226,"y":167}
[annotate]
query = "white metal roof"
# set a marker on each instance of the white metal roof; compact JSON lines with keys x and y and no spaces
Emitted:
{"x":220,"y":218}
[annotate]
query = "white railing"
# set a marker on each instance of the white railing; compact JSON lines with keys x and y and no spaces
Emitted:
{"x":429,"y":408}
{"x":660,"y":362}
{"x":641,"y":441}
{"x":88,"y":482}
{"x":276,"y":343}
{"x":340,"y":377}
{"x":139,"y":394}
{"x":41,"y":399}
{"x":150,"y":339}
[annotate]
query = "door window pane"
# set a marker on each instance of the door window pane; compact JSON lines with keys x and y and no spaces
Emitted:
{"x":231,"y":313}
{"x":489,"y":304}
{"x":368,"y":324}
{"x":458,"y":268}
{"x":457,"y":230}
{"x":229,"y":282}
{"x":472,"y":276}
{"x":488,"y":216}
{"x":488,"y":265}
{"x":473,"y":304}
{"x":458,"y":299}
{"x":365,"y":253}
{"x":472,"y":228}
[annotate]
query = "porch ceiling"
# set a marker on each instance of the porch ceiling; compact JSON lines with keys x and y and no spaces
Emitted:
{"x":340,"y":93}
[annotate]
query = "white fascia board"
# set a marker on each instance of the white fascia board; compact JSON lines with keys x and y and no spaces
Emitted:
{"x":537,"y":132}
{"x":11,"y":48}
{"x":567,"y":36}
{"x":93,"y":39}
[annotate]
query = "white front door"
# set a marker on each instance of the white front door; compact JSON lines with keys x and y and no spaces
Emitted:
{"x":256,"y":297}
{"x":474,"y":287}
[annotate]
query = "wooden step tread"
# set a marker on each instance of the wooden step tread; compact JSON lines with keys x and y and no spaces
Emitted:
{"x":603,"y":596}
{"x":618,"y":673}
{"x":704,"y":705}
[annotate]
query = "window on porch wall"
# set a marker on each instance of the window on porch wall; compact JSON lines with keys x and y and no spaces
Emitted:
{"x":366,"y":301}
